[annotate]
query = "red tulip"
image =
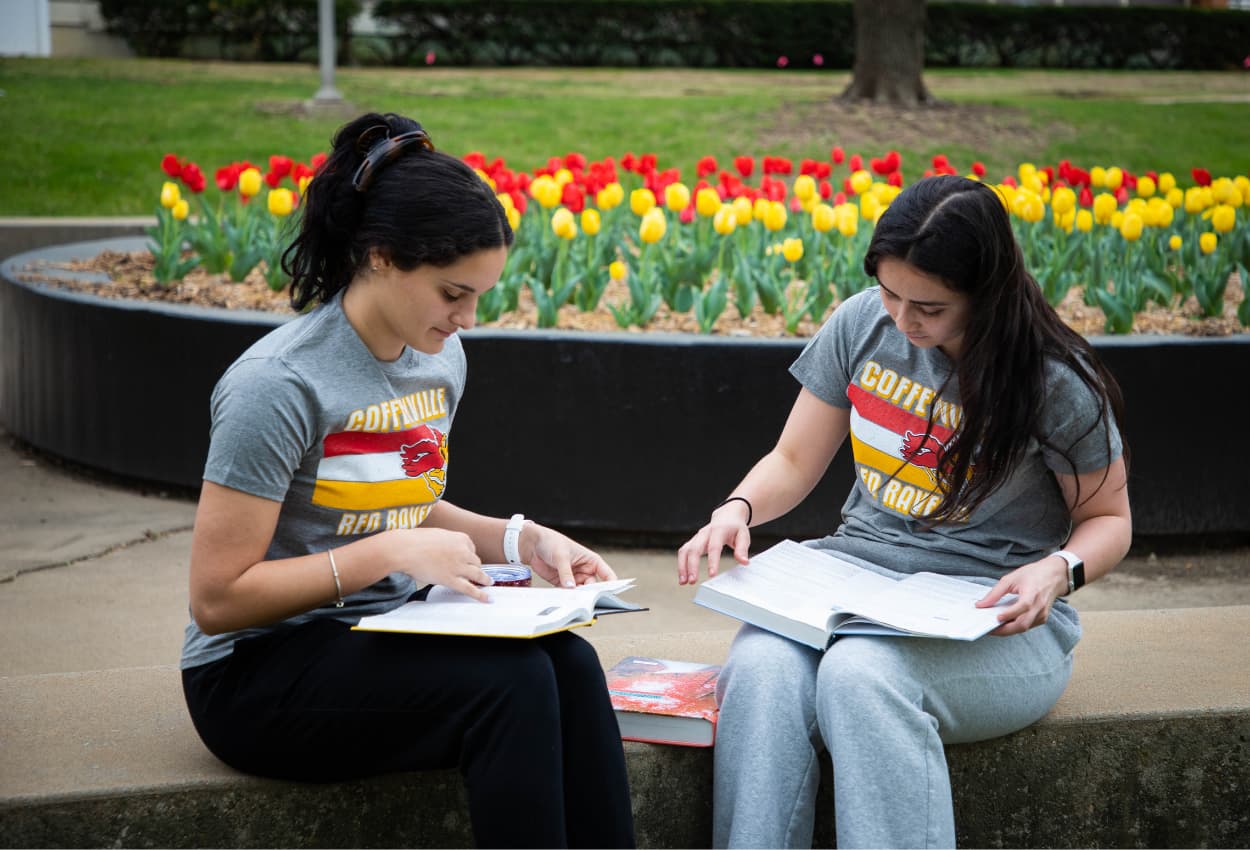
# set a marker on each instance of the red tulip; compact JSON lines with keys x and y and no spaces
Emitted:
{"x":880,"y":166}
{"x":941,"y":162}
{"x":807,"y":166}
{"x":573,"y":197}
{"x":855,"y":163}
{"x":978,"y":169}
{"x":193,"y":177}
{"x":280,"y":165}
{"x":895,"y":178}
{"x":826,"y":189}
{"x":745,"y":165}
{"x":893,"y":159}
{"x":1201,"y":176}
{"x":839,"y":198}
{"x":1086,"y":197}
{"x":170,"y":165}
{"x":227,"y":177}
{"x":823,"y":170}
{"x":687,"y":215}
{"x":705,"y":166}
{"x":575,"y":161}
{"x":518,"y":200}
{"x":318,"y":160}
{"x":837,"y":155}
{"x":475,"y":159}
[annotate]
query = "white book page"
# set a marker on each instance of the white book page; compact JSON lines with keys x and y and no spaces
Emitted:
{"x":799,"y":582}
{"x":532,"y":599}
{"x":934,"y":604}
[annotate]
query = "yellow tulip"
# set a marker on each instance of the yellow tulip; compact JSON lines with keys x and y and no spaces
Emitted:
{"x":505,"y":201}
{"x":514,"y":218}
{"x":1243,"y":186}
{"x":1221,"y":189}
{"x":170,"y":195}
{"x":617,"y":270}
{"x":1131,"y":227}
{"x":1115,"y":177}
{"x":590,"y":222}
{"x":485,"y":178}
{"x":563,"y":176}
{"x":1098,"y":177}
{"x":725,"y":221}
{"x":823,"y":218}
{"x":1195,"y":200}
{"x":1066,"y":220}
{"x":860,"y":181}
{"x":744,"y":211}
{"x":676,"y":196}
{"x":869,"y":206}
{"x":792,"y":250}
{"x":1063,"y":200}
{"x":1175,"y":242}
{"x":1167,"y":182}
{"x":707,"y":202}
{"x":281,"y":202}
{"x":1033,"y":184}
{"x":1175,"y":197}
{"x":1084,"y":221}
{"x":804,"y":186}
{"x":563,"y":224}
{"x":1236,"y":198}
{"x":1117,"y":219}
{"x":1146,"y":186}
{"x":1224,"y":218}
{"x":249,"y":182}
{"x":305,"y":180}
{"x":848,"y":219}
{"x":610,"y":196}
{"x":1026,"y":171}
{"x":775,"y":217}
{"x":1104,"y":207}
{"x":653,"y":225}
{"x":759,"y":209}
{"x":1208,"y":242}
{"x":546,"y":191}
{"x":1158,"y":213}
{"x":1029,"y":206}
{"x":641,"y":201}
{"x":180,"y":209}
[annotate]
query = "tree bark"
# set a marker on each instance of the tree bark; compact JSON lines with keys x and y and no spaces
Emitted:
{"x":889,"y":53}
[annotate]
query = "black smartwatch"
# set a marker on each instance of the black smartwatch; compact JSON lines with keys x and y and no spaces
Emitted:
{"x":1076,"y":569}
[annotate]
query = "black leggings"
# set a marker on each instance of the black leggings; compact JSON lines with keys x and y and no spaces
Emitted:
{"x":528,"y":722}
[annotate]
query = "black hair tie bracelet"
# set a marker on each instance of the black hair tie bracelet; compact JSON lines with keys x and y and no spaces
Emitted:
{"x":741,"y":499}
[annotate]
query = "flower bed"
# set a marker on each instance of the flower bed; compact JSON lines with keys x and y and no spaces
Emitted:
{"x":763,"y":236}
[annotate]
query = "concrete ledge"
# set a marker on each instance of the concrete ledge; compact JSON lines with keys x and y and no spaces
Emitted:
{"x":1149,"y":747}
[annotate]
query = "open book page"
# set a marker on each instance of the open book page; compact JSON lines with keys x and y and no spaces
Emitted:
{"x":790,"y":589}
{"x":928,"y":604}
{"x":511,"y":611}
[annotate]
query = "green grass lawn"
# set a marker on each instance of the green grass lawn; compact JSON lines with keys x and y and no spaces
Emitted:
{"x":85,"y":137}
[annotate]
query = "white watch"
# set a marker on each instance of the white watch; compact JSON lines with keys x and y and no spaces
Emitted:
{"x":1076,"y":569}
{"x":512,"y":539}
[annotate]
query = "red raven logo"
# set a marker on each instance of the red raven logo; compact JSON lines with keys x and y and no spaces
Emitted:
{"x":923,"y":450}
{"x":428,"y":453}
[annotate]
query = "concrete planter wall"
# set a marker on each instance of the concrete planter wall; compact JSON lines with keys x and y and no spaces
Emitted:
{"x":634,"y":434}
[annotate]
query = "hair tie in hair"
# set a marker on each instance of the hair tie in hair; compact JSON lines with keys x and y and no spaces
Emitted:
{"x":384,"y":151}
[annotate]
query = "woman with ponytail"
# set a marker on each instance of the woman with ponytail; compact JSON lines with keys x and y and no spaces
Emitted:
{"x":986,"y":444}
{"x":322,"y":503}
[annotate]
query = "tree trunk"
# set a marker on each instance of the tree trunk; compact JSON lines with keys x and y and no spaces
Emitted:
{"x":889,"y":53}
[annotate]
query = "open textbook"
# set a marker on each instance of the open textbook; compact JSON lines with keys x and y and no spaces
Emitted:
{"x":812,"y":597}
{"x":518,"y":612}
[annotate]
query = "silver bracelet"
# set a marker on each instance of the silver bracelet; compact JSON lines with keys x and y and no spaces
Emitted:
{"x":334,"y":568}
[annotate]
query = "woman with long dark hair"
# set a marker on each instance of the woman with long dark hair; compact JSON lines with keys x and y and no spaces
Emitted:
{"x":322,"y":503}
{"x":986,"y":445}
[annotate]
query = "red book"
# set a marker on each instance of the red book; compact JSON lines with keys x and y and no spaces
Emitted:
{"x":660,"y":701}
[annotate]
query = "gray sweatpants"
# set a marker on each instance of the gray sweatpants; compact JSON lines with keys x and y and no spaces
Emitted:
{"x":883,"y":707}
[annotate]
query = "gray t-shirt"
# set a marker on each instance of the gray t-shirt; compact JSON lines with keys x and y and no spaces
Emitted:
{"x":350,"y":445}
{"x":859,"y":360}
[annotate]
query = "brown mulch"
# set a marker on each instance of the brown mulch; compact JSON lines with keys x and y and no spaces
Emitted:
{"x":129,"y":275}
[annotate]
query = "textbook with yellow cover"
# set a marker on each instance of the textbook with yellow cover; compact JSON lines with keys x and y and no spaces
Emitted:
{"x":516,"y":612}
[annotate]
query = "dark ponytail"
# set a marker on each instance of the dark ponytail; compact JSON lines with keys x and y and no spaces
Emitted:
{"x":958,"y":230}
{"x":384,"y":187}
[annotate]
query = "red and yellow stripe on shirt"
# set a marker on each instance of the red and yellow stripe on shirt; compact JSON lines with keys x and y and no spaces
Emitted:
{"x":893,"y":451}
{"x":362,"y":471}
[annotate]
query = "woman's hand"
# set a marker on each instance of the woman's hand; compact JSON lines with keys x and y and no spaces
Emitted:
{"x":1037,"y":586}
{"x":560,"y":560}
{"x":438,"y":556}
{"x":728,"y":527}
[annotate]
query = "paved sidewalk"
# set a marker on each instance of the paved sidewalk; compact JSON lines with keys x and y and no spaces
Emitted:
{"x":93,"y":576}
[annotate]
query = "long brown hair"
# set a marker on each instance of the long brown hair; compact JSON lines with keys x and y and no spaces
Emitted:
{"x":958,"y":230}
